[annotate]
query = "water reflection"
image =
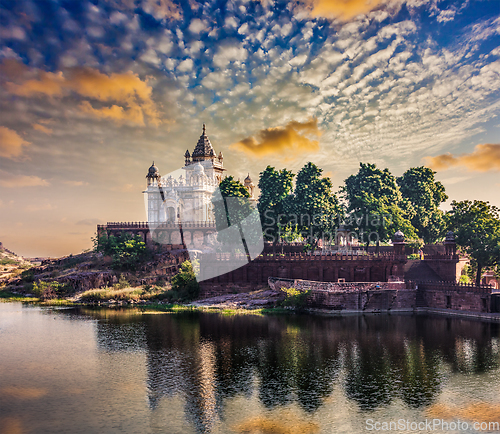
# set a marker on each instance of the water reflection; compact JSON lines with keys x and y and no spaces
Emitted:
{"x":207,"y":359}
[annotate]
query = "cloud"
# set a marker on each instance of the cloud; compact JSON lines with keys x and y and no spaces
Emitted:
{"x":484,"y":158}
{"x":133,"y":97}
{"x":88,"y":222}
{"x":160,"y":9}
{"x":284,"y":141}
{"x":229,"y":53}
{"x":197,"y":26}
{"x":76,"y":183}
{"x":185,"y":65}
{"x":11,"y":143}
{"x":345,"y":10}
{"x":24,"y":181}
{"x":44,"y":207}
{"x":43,"y":129}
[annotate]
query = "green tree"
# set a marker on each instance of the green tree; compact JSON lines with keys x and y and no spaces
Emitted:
{"x":127,"y":251}
{"x":231,"y":206}
{"x":316,"y":209}
{"x":275,"y":187}
{"x":184,"y":283}
{"x":425,"y":194}
{"x":376,"y":208}
{"x":477,"y":230}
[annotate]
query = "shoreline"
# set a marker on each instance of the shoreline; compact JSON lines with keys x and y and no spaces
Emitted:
{"x":221,"y":308}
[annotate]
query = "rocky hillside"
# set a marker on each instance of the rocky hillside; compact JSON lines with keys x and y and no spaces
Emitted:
{"x":11,"y":265}
{"x":91,"y":270}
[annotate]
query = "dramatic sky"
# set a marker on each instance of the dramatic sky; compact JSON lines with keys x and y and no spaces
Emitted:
{"x":91,"y":92}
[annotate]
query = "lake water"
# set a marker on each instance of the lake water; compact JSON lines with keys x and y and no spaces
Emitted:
{"x":120,"y":371}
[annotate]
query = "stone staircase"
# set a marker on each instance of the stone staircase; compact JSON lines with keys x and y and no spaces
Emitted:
{"x":418,"y":270}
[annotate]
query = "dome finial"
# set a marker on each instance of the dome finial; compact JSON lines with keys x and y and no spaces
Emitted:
{"x":204,"y":127}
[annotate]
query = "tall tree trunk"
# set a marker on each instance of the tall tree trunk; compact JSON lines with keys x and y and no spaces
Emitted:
{"x":377,"y":250}
{"x":478,"y":274}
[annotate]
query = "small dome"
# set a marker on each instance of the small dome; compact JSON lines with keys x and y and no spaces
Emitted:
{"x":248,"y":180}
{"x":399,"y":237}
{"x":450,"y":236}
{"x":198,"y":168}
{"x":153,"y":171}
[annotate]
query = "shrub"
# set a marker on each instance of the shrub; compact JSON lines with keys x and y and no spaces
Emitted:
{"x":50,"y":290}
{"x":464,"y":279}
{"x":184,"y":284}
{"x":28,"y":276}
{"x":122,"y":283}
{"x":294,"y":298}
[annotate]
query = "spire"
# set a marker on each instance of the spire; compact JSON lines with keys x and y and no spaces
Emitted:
{"x":204,"y":149}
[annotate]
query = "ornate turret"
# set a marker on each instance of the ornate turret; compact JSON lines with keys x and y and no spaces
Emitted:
{"x":398,"y":241}
{"x":248,"y":181}
{"x":449,"y":243}
{"x":250,"y":186}
{"x":204,"y":149}
{"x":187,"y":157}
{"x":153,"y":174}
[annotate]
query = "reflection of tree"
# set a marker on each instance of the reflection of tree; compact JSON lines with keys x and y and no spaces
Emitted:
{"x":208,"y":359}
{"x":315,"y":375}
{"x":370,"y":378}
{"x":420,"y":376}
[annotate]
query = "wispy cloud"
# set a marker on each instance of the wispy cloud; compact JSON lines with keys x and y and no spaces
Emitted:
{"x":88,"y":222}
{"x":284,"y":141}
{"x":483,"y":159}
{"x":345,"y":10}
{"x":43,"y":129}
{"x":11,"y":143}
{"x":76,"y":183}
{"x":42,"y":207}
{"x":24,"y":181}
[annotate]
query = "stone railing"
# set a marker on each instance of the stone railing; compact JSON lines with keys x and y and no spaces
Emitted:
{"x":302,"y":256}
{"x":154,"y":226}
{"x":441,"y":256}
{"x":454,"y":286}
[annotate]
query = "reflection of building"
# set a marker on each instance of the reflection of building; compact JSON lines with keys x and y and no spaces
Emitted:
{"x":188,"y":195}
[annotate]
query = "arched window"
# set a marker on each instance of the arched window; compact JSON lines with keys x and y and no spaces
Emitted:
{"x":170,"y":214}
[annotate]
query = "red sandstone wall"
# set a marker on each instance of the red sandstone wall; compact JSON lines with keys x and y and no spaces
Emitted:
{"x":458,"y":300}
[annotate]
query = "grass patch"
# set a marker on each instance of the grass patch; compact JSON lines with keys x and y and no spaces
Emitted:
{"x":8,"y":261}
{"x":171,"y":308}
{"x":121,"y":292}
{"x":6,"y":295}
{"x":57,"y":302}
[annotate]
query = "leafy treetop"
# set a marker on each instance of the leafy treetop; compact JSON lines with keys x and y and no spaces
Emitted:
{"x":477,"y":230}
